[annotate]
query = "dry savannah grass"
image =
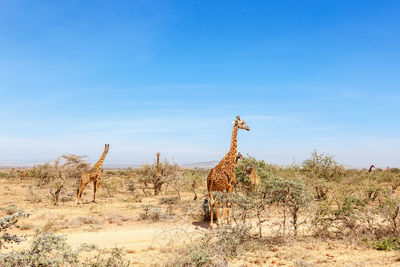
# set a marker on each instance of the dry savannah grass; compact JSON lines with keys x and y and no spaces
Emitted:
{"x":313,"y":214}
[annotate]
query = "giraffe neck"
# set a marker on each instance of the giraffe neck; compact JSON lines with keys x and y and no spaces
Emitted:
{"x":99,"y":164}
{"x":233,"y":149}
{"x":370,"y":168}
{"x":158,"y":163}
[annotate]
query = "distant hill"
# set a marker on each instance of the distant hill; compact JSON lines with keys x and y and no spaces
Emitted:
{"x":200,"y":165}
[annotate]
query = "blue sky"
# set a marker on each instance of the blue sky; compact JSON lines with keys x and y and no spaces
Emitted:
{"x":171,"y":76}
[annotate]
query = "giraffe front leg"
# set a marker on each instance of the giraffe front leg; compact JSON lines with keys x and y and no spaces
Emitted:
{"x":94,"y":191}
{"x":228,"y":212}
{"x":217,"y":213}
{"x":211,"y":216}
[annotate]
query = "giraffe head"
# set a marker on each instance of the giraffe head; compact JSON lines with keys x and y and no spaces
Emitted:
{"x":158,"y":155}
{"x":106,"y":147}
{"x":241,"y":124}
{"x":248,"y":169}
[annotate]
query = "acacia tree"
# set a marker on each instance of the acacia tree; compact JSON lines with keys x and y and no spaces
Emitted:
{"x":320,"y":170}
{"x":148,"y":176}
{"x":57,"y":174}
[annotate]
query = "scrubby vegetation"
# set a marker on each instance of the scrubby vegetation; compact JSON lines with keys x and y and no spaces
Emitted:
{"x":316,"y":199}
{"x":48,"y":249}
{"x":57,"y":175}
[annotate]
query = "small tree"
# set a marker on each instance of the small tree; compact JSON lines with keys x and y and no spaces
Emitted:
{"x":261,"y":168}
{"x":291,"y":194}
{"x":321,"y":166}
{"x":321,"y":169}
{"x":147,"y":176}
{"x":195,"y":179}
{"x":55,"y":175}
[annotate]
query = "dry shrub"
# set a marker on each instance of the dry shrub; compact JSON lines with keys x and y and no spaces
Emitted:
{"x":146,"y":175}
{"x":321,"y":171}
{"x":56,"y":175}
{"x":151,"y":212}
{"x":80,"y":221}
{"x":111,"y":185}
{"x":48,"y":249}
{"x":155,"y":214}
{"x":33,"y":196}
{"x":193,"y":180}
{"x":11,"y":209}
{"x":6,"y":224}
{"x":216,"y":247}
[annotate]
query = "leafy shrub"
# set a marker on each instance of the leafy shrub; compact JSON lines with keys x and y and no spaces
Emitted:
{"x":293,"y":195}
{"x":147,"y":176}
{"x":48,"y":249}
{"x":262,"y":169}
{"x":323,"y":167}
{"x":389,"y":208}
{"x":346,"y":213}
{"x":7,"y":223}
{"x":55,"y":175}
{"x":387,"y":243}
{"x":196,"y":179}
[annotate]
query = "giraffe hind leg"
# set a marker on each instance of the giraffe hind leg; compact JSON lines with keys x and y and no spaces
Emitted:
{"x":79,"y":195}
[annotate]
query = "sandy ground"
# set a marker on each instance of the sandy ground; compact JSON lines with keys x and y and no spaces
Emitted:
{"x":114,"y":222}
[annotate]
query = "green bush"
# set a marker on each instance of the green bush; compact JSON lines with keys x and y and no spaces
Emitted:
{"x":323,"y":167}
{"x":387,"y":243}
{"x":261,"y":168}
{"x":293,"y":195}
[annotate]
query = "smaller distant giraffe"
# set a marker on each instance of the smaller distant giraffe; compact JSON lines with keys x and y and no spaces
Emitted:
{"x":387,"y":170}
{"x":371,"y":167}
{"x":92,"y":175}
{"x":254,"y":179}
{"x":158,"y":170}
{"x":24,"y":174}
{"x":239,"y":156}
{"x":157,"y":176}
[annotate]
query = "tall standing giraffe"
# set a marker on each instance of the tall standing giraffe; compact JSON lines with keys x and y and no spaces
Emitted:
{"x":222,"y":177}
{"x":92,"y":175}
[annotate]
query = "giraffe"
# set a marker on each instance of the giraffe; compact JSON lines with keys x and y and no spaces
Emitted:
{"x":254,"y":179}
{"x":371,"y":167}
{"x":92,"y":175}
{"x":158,"y":170}
{"x":24,"y":174}
{"x":222,"y":177}
{"x":157,"y":176}
{"x":239,"y":156}
{"x":387,"y":170}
